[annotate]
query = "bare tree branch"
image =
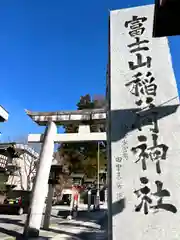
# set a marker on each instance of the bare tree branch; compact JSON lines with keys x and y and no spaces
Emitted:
{"x":25,"y":164}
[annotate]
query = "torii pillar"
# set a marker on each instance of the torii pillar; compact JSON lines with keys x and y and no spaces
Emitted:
{"x":82,"y":117}
{"x":39,"y":194}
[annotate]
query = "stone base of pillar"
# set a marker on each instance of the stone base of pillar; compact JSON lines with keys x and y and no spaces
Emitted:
{"x":47,"y":214}
{"x":31,"y":233}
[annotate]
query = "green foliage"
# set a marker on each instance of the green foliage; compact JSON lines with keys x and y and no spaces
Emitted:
{"x":82,"y":156}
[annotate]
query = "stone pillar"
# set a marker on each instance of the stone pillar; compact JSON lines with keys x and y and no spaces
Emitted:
{"x":143,"y":136}
{"x":69,"y":217}
{"x":47,"y":215}
{"x":89,"y":200}
{"x":106,"y":195}
{"x":34,"y":217}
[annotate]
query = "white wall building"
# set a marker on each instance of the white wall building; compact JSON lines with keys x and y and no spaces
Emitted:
{"x":20,"y":166}
{"x":26,"y":170}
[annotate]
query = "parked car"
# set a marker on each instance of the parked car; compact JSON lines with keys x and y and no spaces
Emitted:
{"x":66,"y":199}
{"x":16,"y":202}
{"x":66,"y":196}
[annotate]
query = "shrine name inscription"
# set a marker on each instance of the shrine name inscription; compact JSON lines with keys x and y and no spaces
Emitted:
{"x":143,"y":86}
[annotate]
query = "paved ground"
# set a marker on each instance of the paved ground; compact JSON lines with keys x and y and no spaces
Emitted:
{"x":86,"y":226}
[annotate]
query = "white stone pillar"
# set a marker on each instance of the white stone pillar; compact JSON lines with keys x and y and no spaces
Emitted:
{"x":106,"y":195}
{"x":89,"y":200}
{"x":47,"y":215}
{"x":34,"y":217}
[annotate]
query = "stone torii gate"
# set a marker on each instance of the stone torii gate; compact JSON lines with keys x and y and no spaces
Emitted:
{"x":84,"y":118}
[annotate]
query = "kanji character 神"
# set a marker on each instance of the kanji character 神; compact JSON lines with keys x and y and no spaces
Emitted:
{"x":156,"y":153}
{"x":143,"y":155}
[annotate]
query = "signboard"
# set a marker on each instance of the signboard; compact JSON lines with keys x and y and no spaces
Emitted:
{"x":144,"y":130}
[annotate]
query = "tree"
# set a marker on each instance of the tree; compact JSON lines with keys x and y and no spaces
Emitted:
{"x":63,"y":178}
{"x":25,"y":162}
{"x":26,"y":171}
{"x":82,"y":156}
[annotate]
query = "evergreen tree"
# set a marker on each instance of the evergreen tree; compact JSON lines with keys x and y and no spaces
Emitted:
{"x":82,"y":156}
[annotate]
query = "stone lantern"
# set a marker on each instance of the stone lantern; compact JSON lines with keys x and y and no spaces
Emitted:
{"x":56,"y":169}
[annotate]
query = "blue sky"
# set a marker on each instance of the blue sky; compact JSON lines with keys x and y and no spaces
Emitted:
{"x":51,"y":53}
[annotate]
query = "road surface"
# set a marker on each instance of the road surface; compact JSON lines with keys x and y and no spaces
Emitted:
{"x":82,"y":227}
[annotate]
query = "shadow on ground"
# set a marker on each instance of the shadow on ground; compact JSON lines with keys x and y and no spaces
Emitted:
{"x":82,"y":215}
{"x":96,"y":233}
{"x":18,"y":236}
{"x":90,"y":233}
{"x":14,"y":233}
